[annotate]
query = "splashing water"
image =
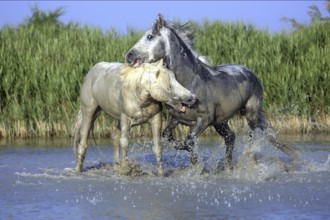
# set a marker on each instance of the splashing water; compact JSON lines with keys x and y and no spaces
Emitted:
{"x":36,"y":183}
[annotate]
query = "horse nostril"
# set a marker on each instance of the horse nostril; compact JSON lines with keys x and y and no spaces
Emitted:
{"x":128,"y":56}
{"x":193,"y":98}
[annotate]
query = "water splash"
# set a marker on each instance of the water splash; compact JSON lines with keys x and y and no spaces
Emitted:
{"x":255,"y":162}
{"x":262,"y":183}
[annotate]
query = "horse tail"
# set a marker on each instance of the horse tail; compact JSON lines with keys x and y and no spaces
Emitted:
{"x":262,"y":121}
{"x":291,"y":151}
{"x":263,"y":124}
{"x":257,"y":119}
{"x":76,"y":132}
{"x":92,"y":126}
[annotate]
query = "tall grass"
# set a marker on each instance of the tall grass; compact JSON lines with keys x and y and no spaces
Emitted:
{"x":42,"y":68}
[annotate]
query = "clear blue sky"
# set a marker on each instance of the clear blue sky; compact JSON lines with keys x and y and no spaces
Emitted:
{"x":141,"y":14}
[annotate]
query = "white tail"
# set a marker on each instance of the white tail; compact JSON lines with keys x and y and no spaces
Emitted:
{"x":76,"y":132}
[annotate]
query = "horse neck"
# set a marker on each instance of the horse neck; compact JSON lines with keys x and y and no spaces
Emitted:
{"x":132,"y":85}
{"x":183,"y":62}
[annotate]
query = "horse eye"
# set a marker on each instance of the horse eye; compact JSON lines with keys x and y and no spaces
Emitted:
{"x":149,"y":37}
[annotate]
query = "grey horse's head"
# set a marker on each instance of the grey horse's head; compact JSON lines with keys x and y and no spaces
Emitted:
{"x":157,"y":42}
{"x":151,"y":47}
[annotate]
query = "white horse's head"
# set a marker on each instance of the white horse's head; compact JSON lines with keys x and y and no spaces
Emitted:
{"x":161,"y":85}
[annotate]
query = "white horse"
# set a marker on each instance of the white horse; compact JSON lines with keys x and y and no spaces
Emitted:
{"x":132,"y":96}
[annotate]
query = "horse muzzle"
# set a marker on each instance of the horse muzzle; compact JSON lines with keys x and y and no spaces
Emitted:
{"x":133,"y":59}
{"x":181,"y":104}
{"x":191,"y":100}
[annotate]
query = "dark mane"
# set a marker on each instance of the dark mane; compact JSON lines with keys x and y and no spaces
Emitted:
{"x":183,"y":32}
{"x":186,"y":39}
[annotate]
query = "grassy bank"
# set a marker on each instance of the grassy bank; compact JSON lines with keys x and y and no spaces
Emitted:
{"x":104,"y":127}
{"x":42,"y":68}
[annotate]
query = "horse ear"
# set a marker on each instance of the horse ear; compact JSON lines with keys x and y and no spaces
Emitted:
{"x":160,"y":21}
{"x":158,"y":24}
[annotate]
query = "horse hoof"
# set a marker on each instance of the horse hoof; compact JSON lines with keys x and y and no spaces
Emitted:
{"x":160,"y":172}
{"x":228,"y":169}
{"x":194,"y":159}
{"x":124,"y":170}
{"x":116,"y":167}
{"x":178,"y":145}
{"x":77,"y":170}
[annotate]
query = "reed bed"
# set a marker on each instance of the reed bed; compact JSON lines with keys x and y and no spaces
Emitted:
{"x":42,"y":68}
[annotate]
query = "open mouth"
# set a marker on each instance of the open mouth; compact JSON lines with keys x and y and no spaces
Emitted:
{"x":182,"y":107}
{"x":137,"y":63}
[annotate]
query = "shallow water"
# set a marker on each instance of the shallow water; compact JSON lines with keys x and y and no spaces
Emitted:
{"x":36,"y":182}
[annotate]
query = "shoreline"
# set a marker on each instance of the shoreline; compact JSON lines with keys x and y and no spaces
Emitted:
{"x":103,"y":127}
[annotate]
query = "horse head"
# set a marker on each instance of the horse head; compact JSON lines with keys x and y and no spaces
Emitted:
{"x":160,"y":42}
{"x":151,"y":47}
{"x":164,"y":87}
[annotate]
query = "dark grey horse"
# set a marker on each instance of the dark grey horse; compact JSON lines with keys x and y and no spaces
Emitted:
{"x":221,"y":91}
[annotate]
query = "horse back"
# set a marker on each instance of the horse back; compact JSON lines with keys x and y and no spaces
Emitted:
{"x":233,"y":86}
{"x":240,"y":76}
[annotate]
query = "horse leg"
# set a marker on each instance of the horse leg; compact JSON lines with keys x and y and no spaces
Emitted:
{"x":156,"y":127}
{"x":125,"y":126}
{"x":229,"y":137}
{"x":255,"y":120}
{"x":88,"y":115}
{"x":115,"y":141}
{"x":200,"y":126}
{"x":172,"y":123}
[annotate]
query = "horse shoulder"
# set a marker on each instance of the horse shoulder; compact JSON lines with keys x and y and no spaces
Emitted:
{"x":140,"y":114}
{"x":105,"y":88}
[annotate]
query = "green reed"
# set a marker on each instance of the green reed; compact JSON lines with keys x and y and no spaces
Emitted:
{"x":42,"y":68}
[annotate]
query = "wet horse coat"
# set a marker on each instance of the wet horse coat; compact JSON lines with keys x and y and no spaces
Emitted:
{"x":221,"y":91}
{"x":132,"y":96}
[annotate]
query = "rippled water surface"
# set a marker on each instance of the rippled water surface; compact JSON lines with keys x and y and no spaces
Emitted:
{"x":36,"y":182}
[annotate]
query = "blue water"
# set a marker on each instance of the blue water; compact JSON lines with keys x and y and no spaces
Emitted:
{"x":36,"y":182}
